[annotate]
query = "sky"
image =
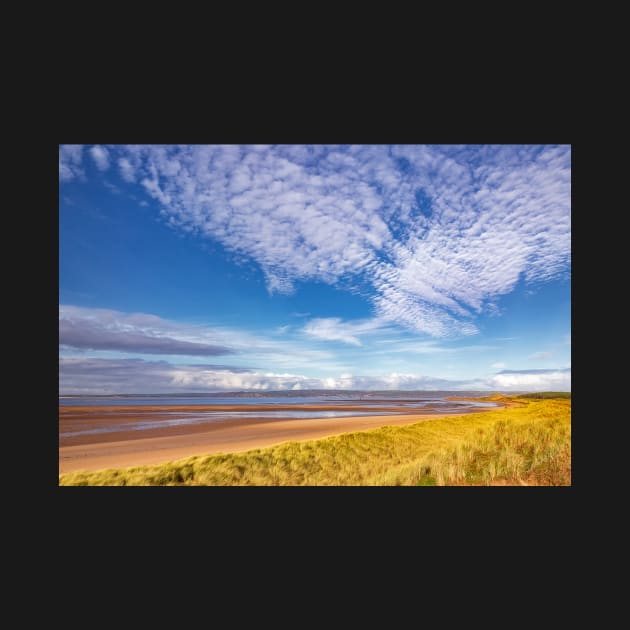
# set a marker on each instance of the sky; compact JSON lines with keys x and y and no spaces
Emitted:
{"x":196,"y":268}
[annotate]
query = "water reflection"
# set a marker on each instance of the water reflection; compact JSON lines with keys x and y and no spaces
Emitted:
{"x":218,"y":416}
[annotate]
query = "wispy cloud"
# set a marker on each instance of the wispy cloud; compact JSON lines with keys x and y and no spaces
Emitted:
{"x":498,"y":365}
{"x":101,"y":330}
{"x":112,"y":187}
{"x":105,"y":329}
{"x":334,"y":329}
{"x":70,"y":161}
{"x":439,"y":233}
{"x":409,"y":346}
{"x":100,"y":155}
{"x":125,"y":333}
{"x":540,"y":356}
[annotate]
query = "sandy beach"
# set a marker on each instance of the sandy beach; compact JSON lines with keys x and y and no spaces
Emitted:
{"x":121,"y":446}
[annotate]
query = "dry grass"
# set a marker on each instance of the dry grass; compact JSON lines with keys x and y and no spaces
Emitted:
{"x":528,"y":444}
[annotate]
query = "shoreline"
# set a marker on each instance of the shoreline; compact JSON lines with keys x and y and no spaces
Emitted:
{"x":160,"y":445}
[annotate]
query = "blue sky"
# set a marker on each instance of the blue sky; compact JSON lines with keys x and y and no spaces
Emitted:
{"x":211,"y":268}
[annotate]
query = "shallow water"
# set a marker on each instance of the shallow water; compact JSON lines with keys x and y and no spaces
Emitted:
{"x":184,"y":400}
{"x":394,"y":402}
{"x":217,"y":416}
{"x":380,"y":401}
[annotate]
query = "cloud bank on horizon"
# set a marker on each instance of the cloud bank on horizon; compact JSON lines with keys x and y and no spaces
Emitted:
{"x":132,"y":376}
{"x":432,"y":236}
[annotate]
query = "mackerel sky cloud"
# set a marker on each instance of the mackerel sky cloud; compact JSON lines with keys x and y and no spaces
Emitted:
{"x":323,"y":212}
{"x":427,"y":244}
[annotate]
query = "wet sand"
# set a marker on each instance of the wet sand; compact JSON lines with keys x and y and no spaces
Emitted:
{"x":122,"y":447}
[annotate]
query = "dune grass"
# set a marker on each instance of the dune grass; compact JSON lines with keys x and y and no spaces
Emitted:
{"x":542,"y":395}
{"x":528,"y":444}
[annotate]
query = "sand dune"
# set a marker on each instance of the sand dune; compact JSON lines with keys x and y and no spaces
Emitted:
{"x":122,"y":447}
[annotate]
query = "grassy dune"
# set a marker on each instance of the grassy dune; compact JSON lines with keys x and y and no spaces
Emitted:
{"x":528,"y":444}
{"x":543,"y":395}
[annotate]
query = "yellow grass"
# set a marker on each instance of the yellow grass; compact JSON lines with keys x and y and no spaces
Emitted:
{"x":528,"y":444}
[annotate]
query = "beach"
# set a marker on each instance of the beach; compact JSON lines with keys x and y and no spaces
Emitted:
{"x":116,"y":443}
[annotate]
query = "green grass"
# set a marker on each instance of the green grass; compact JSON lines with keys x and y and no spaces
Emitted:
{"x":525,"y":445}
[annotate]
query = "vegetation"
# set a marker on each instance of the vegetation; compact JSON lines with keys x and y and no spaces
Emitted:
{"x":528,"y":443}
{"x":544,"y":395}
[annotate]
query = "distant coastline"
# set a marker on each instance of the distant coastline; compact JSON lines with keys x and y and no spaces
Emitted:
{"x":367,"y":393}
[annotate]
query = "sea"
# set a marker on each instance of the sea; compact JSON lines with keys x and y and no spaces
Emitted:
{"x":412,"y":399}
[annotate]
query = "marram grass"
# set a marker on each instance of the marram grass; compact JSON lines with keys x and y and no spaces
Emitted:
{"x":525,"y":445}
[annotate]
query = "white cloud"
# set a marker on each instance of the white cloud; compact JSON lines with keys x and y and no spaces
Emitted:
{"x":126,"y":170}
{"x":440,"y":233}
{"x":144,"y":333}
{"x":498,"y":365}
{"x":100,"y":155}
{"x":217,"y":380}
{"x":489,"y":226}
{"x":81,"y":375}
{"x":296,"y":219}
{"x":334,"y":329}
{"x":540,"y":356}
{"x":78,"y":375}
{"x":70,"y":160}
{"x":532,"y":380}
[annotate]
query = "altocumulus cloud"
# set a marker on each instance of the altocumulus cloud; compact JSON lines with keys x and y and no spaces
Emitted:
{"x":70,"y":159}
{"x":438,"y":233}
{"x":100,"y":155}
